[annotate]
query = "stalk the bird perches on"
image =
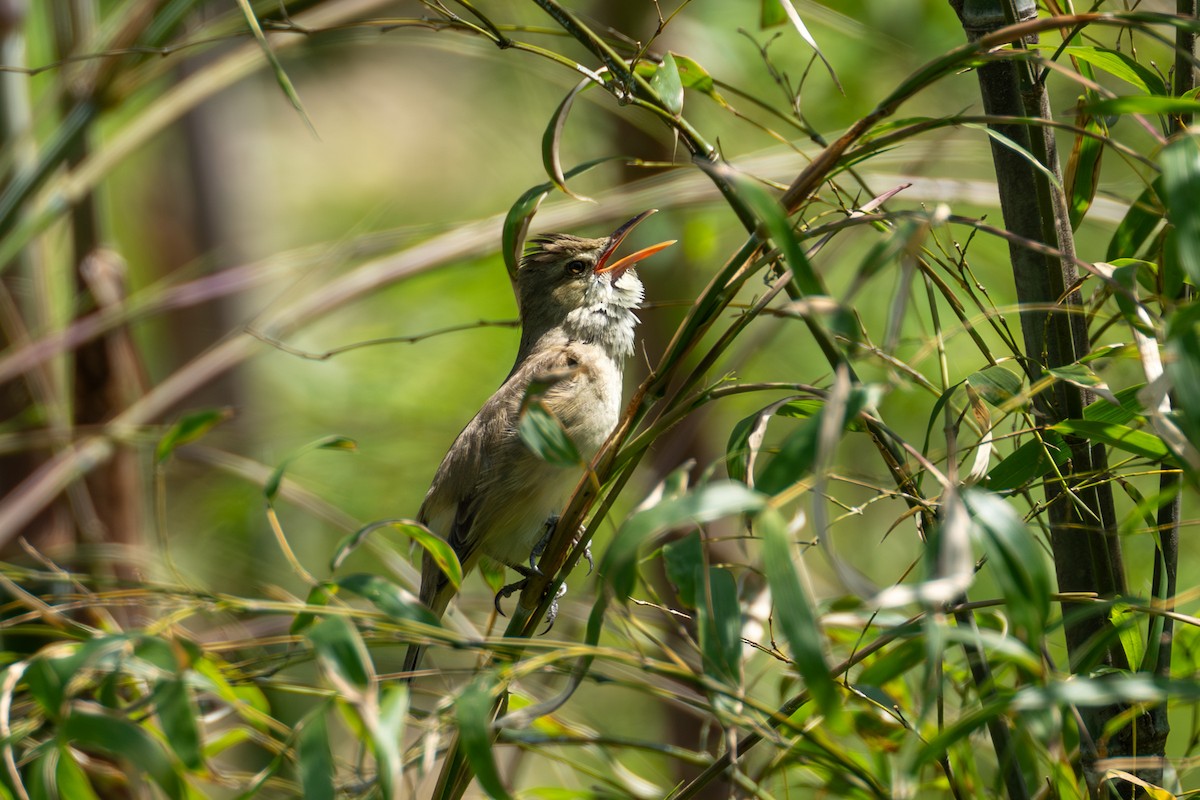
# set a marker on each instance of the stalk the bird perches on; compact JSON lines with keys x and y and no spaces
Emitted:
{"x":492,"y":496}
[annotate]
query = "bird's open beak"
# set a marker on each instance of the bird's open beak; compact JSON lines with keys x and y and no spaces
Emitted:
{"x":618,"y":268}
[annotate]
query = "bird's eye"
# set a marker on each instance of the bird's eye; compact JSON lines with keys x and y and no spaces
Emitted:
{"x":577,"y":267}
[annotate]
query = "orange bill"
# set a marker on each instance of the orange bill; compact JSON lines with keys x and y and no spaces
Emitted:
{"x":617,"y":268}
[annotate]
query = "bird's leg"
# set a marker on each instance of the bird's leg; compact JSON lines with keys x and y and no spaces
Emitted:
{"x":527,"y":573}
{"x":540,"y":547}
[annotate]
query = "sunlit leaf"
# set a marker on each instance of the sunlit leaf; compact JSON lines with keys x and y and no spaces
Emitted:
{"x":1139,"y":443}
{"x":667,"y":84}
{"x":1028,"y":462}
{"x":388,"y":598}
{"x":703,"y":504}
{"x":1119,"y":65}
{"x":344,"y":443}
{"x":996,"y":384}
{"x":437,"y":547}
{"x":188,"y":429}
{"x":1142,"y":104}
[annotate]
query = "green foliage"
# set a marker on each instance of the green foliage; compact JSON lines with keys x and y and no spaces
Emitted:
{"x":838,"y":347}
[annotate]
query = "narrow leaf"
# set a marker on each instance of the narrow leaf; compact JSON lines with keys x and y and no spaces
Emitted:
{"x":516,"y":222}
{"x":794,"y":612}
{"x":683,"y":560}
{"x":552,"y":141}
{"x":667,"y":84}
{"x":437,"y":547}
{"x":1181,"y":183}
{"x":343,"y":443}
{"x":544,"y":434}
{"x":314,"y":757}
{"x":281,"y":77}
{"x":188,"y":429}
{"x":996,"y":384}
{"x":340,"y":650}
{"x":473,"y":711}
{"x":123,"y":739}
{"x":178,"y":716}
{"x":1139,"y":443}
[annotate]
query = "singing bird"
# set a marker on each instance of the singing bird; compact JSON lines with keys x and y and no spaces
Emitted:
{"x":492,"y":496}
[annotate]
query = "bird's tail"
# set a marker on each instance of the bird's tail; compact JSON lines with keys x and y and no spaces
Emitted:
{"x":436,"y":591}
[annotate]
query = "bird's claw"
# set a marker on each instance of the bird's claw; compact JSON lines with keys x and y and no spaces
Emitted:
{"x":513,"y":588}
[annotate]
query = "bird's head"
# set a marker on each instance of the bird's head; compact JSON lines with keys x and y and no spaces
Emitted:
{"x":561,"y":273}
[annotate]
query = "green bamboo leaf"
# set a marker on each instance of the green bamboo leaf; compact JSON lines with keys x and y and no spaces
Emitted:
{"x":281,"y":77}
{"x":768,"y":211}
{"x":1125,"y":620}
{"x":683,"y":562}
{"x":319,"y":595}
{"x":343,"y":443}
{"x":123,"y":739}
{"x":71,"y":782}
{"x":1119,"y":65}
{"x":388,"y":738}
{"x":473,"y":712}
{"x":746,"y":438}
{"x":1181,"y":183}
{"x":703,"y":504}
{"x":719,"y":618}
{"x":1019,"y":149}
{"x":996,"y":384}
{"x":314,"y":757}
{"x":516,"y":222}
{"x":552,"y":141}
{"x":177,"y":714}
{"x":1084,"y":377}
{"x":1142,"y":104}
{"x":771,"y":13}
{"x":1138,"y":224}
{"x":1139,"y":443}
{"x":437,"y":547}
{"x":794,"y":612}
{"x":1028,"y":462}
{"x":668,"y":85}
{"x":340,"y":650}
{"x":1135,"y":314}
{"x":1183,"y":368}
{"x":544,"y":434}
{"x":1014,"y":559}
{"x":798,"y":452}
{"x":1083,"y":167}
{"x":189,"y":428}
{"x":388,"y":598}
{"x":1127,"y":408}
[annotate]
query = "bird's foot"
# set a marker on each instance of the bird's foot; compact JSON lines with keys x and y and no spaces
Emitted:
{"x":540,"y":547}
{"x":513,"y":588}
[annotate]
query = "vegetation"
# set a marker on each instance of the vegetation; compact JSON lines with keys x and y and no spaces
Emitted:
{"x":895,"y":508}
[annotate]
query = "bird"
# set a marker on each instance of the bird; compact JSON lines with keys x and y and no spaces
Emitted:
{"x":492,"y":496}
